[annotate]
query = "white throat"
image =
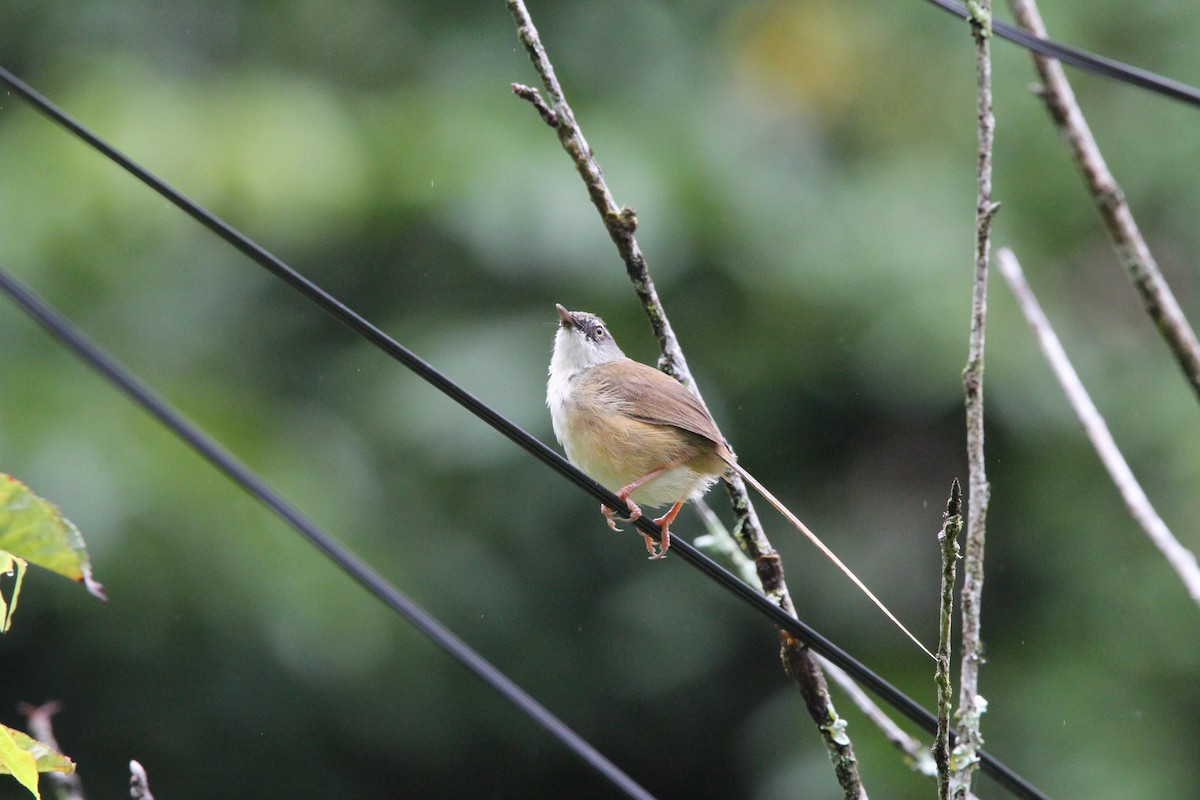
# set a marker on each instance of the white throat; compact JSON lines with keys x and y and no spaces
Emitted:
{"x":569,"y":359}
{"x":573,"y":353}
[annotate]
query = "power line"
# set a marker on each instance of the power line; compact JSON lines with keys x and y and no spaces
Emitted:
{"x":1089,"y":62}
{"x":239,"y":473}
{"x":889,"y":693}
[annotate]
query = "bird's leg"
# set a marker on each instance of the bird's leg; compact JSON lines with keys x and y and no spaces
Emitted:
{"x":665,"y":522}
{"x":635,"y":511}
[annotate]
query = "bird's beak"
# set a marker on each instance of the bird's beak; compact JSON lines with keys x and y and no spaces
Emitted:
{"x":568,"y":319}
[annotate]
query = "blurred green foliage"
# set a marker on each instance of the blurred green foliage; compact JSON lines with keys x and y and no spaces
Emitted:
{"x":804,"y":177}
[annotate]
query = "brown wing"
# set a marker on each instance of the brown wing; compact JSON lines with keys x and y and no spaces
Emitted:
{"x":655,"y":397}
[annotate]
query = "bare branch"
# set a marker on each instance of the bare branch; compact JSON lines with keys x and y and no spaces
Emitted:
{"x":1179,"y":557}
{"x":915,"y":753}
{"x":719,"y":544}
{"x":534,"y":96}
{"x":970,"y":705}
{"x":139,"y":784}
{"x":948,"y":537}
{"x":67,"y":786}
{"x":1127,"y":239}
{"x":621,"y":222}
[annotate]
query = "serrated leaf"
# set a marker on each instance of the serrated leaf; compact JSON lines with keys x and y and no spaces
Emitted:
{"x":35,"y":530}
{"x":18,"y":762}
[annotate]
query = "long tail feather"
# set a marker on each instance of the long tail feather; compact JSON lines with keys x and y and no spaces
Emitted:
{"x":800,"y":526}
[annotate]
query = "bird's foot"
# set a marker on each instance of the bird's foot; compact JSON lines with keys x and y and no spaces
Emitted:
{"x":652,"y":547}
{"x":635,"y":513}
{"x":664,"y":540}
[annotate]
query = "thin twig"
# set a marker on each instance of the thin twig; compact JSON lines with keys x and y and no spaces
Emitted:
{"x":535,"y":98}
{"x":1118,"y":219}
{"x":67,"y":786}
{"x":915,"y":753}
{"x":139,"y":784}
{"x":948,"y":538}
{"x":970,"y":705}
{"x":720,"y":544}
{"x":621,"y":222}
{"x":1182,"y":560}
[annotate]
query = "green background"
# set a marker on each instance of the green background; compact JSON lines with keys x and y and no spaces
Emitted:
{"x":804,"y":177}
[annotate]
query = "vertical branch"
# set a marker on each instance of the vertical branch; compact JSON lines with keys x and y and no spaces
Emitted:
{"x":1127,"y":239}
{"x":621,"y":223}
{"x":948,"y":538}
{"x":970,"y":705}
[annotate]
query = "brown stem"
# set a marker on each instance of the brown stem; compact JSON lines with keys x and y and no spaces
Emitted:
{"x":970,"y":704}
{"x":621,"y":223}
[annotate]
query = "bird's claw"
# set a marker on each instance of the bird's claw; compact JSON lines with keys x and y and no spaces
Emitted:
{"x":663,"y":542}
{"x":635,"y":513}
{"x":651,"y":548}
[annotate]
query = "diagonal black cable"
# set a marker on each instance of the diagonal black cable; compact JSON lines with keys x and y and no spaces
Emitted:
{"x":242,"y":475}
{"x":1090,"y":62}
{"x":91,"y":353}
{"x":890,"y":694}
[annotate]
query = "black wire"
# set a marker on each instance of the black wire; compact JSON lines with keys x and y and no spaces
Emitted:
{"x":750,"y":595}
{"x":227,"y":463}
{"x":1090,"y":62}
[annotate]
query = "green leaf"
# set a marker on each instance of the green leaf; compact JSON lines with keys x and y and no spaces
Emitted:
{"x":35,"y":530}
{"x":24,"y":757}
{"x":18,"y":762}
{"x":10,"y":565}
{"x":46,"y":758}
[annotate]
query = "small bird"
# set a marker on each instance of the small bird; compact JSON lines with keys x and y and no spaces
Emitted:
{"x":643,"y":434}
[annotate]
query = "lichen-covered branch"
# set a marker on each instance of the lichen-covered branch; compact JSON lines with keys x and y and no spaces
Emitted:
{"x":621,"y":223}
{"x":970,"y":705}
{"x":1127,"y":239}
{"x":916,"y":753}
{"x":948,"y":538}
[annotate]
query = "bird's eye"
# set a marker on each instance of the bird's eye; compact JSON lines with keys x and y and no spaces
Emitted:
{"x":598,"y":332}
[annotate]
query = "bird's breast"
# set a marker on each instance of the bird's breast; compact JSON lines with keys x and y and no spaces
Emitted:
{"x":616,"y":449}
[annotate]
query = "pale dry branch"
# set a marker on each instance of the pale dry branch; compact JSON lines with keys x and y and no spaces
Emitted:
{"x":1182,"y":560}
{"x":1127,"y":238}
{"x":915,"y":753}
